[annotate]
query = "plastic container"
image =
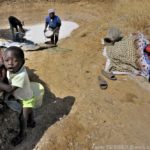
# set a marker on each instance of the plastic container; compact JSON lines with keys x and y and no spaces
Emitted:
{"x":48,"y":33}
{"x":38,"y":91}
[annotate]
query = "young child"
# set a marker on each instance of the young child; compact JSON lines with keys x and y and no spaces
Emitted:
{"x":3,"y":78}
{"x":19,"y":87}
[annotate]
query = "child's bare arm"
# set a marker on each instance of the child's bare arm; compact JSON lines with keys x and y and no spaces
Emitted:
{"x":6,"y":87}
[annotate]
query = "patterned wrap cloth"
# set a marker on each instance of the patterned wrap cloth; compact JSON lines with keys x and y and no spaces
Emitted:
{"x":123,"y":55}
{"x":127,"y":55}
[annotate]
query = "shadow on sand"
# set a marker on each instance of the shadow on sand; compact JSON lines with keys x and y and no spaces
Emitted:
{"x":53,"y":108}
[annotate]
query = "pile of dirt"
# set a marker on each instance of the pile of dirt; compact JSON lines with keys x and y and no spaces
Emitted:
{"x":8,"y":127}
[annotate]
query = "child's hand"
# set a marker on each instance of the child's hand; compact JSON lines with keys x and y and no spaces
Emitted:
{"x":7,"y":96}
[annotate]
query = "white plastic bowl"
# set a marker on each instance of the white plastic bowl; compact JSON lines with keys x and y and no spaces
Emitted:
{"x":38,"y":92}
{"x":48,"y":33}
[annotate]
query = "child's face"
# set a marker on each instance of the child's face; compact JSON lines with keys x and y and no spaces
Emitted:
{"x":11,"y":62}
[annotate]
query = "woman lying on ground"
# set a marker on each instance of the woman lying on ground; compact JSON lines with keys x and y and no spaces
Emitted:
{"x":127,"y":56}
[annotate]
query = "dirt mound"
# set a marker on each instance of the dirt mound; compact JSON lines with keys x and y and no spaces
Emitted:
{"x":8,"y":127}
{"x":52,"y":110}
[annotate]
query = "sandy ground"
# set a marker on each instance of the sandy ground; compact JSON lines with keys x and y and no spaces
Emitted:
{"x":91,"y":118}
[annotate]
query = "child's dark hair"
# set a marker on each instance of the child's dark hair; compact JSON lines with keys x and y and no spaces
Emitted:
{"x":18,"y":52}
